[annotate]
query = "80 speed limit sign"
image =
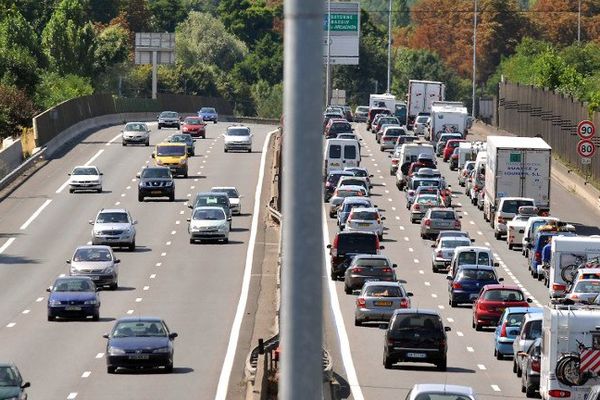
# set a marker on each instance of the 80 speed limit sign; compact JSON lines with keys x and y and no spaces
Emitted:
{"x":585,"y":148}
{"x":586,"y":129}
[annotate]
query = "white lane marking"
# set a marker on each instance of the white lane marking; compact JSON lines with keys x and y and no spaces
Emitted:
{"x":459,"y":333}
{"x":64,"y":185}
{"x":11,"y":324}
{"x":168,"y":243}
{"x":387,"y":191}
{"x":122,"y":194}
{"x":441,"y":307}
{"x":459,"y":204}
{"x":479,"y":233}
{"x":99,"y":355}
{"x":181,"y":212}
{"x":163,"y":254}
{"x":61,"y":275}
{"x":158,"y":264}
{"x":133,"y":179}
{"x":177,"y":222}
{"x":389,"y":199}
{"x":89,"y":243}
{"x":128,"y":187}
{"x":196,"y":179}
{"x":406,"y":238}
{"x":375,"y":165}
{"x":450,"y":319}
{"x":381,"y":177}
{"x":192,"y":187}
{"x":35,"y":214}
{"x":129,"y":312}
{"x":173,"y":232}
{"x":72,"y":396}
{"x":393,"y":208}
{"x":146,"y":288}
{"x":138,"y":300}
{"x":189,"y":195}
{"x":378,"y":171}
{"x":416,"y":261}
{"x":39,"y":299}
{"x":113,"y":139}
{"x":427,"y":283}
{"x":481,"y":367}
{"x":86,"y":374}
{"x":495,"y":388}
{"x":26,"y":311}
{"x":421,"y":272}
{"x":434,"y":295}
{"x":401,"y":227}
{"x":383,"y":183}
{"x":398,"y":218}
{"x":472,"y":222}
{"x":152,"y":276}
{"x":411,"y":249}
{"x":117,"y":203}
{"x":487,"y":244}
{"x":466,"y":213}
{"x":470,"y":349}
{"x":6,"y":244}
{"x":223,"y":385}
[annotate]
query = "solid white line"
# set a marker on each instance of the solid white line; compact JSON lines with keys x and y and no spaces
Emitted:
{"x":35,"y":214}
{"x":86,"y":374}
{"x":6,"y":244}
{"x":223,"y":384}
{"x":64,"y":185}
{"x":113,"y":139}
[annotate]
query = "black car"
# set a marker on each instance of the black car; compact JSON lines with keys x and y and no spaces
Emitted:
{"x":415,"y":335}
{"x":184,"y":138}
{"x":346,"y":245}
{"x":331,"y":183}
{"x":156,"y":182}
{"x":139,"y":342}
{"x":11,"y":382}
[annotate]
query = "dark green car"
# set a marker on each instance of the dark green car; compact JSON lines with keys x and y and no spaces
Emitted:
{"x":184,"y":138}
{"x":11,"y":382}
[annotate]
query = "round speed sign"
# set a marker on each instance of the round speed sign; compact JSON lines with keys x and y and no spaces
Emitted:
{"x":586,"y":129}
{"x":585,"y":148}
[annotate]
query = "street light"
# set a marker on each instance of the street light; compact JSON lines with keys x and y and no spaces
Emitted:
{"x":474,"y":56}
{"x":579,"y":22}
{"x":327,"y":73}
{"x":389,"y":61}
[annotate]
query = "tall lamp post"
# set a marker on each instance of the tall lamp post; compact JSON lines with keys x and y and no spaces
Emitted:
{"x":474,"y":56}
{"x":579,"y":22}
{"x":389,"y":49}
{"x":328,"y":72}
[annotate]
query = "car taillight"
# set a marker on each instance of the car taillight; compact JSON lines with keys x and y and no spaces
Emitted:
{"x":386,"y":270}
{"x":357,"y":269}
{"x":535,"y":365}
{"x":559,"y":286}
{"x":457,"y":224}
{"x":503,"y":330}
{"x":538,"y":256}
{"x":416,"y":207}
{"x":442,"y":344}
{"x":395,"y":162}
{"x":334,"y":247}
{"x":439,"y":254}
{"x":559,"y":393}
{"x":427,"y":222}
{"x":456,"y":285}
{"x":404,"y":303}
{"x":360,"y":302}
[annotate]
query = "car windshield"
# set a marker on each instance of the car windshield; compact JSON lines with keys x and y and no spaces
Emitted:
{"x":427,"y":199}
{"x":441,"y":396}
{"x":180,"y":139}
{"x":85,"y":171}
{"x":238,"y":132}
{"x":73,"y":285}
{"x":512,"y":206}
{"x":515,"y":319}
{"x":334,"y":177}
{"x":587,"y":286}
{"x":417,"y":321}
{"x":168,"y":114}
{"x":230,"y":192}
{"x":362,"y":109}
{"x":112,"y":217}
{"x":364,"y":215}
{"x":476,"y":274}
{"x":357,"y":244}
{"x":442,"y":215}
{"x":394,"y":132}
{"x":209,"y":214}
{"x":139,"y":329}
{"x":135,"y":127}
{"x":166,"y":150}
{"x":193,"y":121}
{"x":349,"y":206}
{"x":156,"y":173}
{"x":207,"y":200}
{"x":92,"y":254}
{"x":8,"y":377}
{"x":419,"y":182}
{"x":359,"y":172}
{"x":382,"y":291}
{"x":422,"y":119}
{"x":452,"y":243}
{"x":503,"y":295}
{"x":208,"y":110}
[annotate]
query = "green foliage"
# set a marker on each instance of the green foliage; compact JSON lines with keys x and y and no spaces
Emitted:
{"x":197,"y":80}
{"x":202,"y":39}
{"x":112,"y":47}
{"x":103,"y":10}
{"x":268,"y":99}
{"x":206,"y":6}
{"x":378,"y":10}
{"x":248,"y":20}
{"x":167,"y":14}
{"x":54,"y":89}
{"x":16,"y":110}
{"x":139,"y":16}
{"x":264,"y":62}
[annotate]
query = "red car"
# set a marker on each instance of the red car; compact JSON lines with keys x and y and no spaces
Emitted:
{"x":450,"y":146}
{"x":492,"y":301}
{"x":195,"y":126}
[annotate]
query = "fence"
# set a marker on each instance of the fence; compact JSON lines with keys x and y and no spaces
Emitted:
{"x":529,"y":111}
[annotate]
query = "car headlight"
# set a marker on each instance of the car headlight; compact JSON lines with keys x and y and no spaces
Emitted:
{"x":108,"y":270}
{"x":224,"y":226}
{"x":88,"y":302}
{"x":162,"y":350}
{"x":113,"y":351}
{"x":184,"y":161}
{"x":53,"y":303}
{"x":158,"y":161}
{"x":194,"y":228}
{"x":169,"y":184}
{"x":73,"y":270}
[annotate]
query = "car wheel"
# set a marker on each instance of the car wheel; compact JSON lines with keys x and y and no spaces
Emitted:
{"x":111,"y":369}
{"x":159,"y":127}
{"x":172,"y":197}
{"x":387,"y":363}
{"x":434,"y":268}
{"x":169,"y":368}
{"x":510,"y":246}
{"x":413,"y":221}
{"x":514,"y":366}
{"x":347,"y":290}
{"x":147,"y":143}
{"x":357,"y":322}
{"x":140,"y":197}
{"x":114,"y":286}
{"x":131,"y":246}
{"x":333,"y":275}
{"x":225,"y":150}
{"x":534,"y":274}
{"x":519,"y":371}
{"x":215,"y":121}
{"x":123,"y":144}
{"x":380,"y":236}
{"x":442,"y":365}
{"x":178,"y":127}
{"x":71,"y":190}
{"x":51,"y":317}
{"x":477,"y":326}
{"x":453,"y":303}
{"x":226,"y":240}
{"x":523,"y":389}
{"x":498,"y":355}
{"x":249,"y":150}
{"x":100,"y":190}
{"x":96,"y":317}
{"x":529,"y":389}
{"x":185,"y":175}
{"x":497,"y":235}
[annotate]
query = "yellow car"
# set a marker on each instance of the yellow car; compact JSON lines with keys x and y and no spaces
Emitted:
{"x":172,"y":155}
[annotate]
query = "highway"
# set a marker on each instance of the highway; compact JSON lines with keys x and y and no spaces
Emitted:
{"x":195,"y":288}
{"x":358,"y":351}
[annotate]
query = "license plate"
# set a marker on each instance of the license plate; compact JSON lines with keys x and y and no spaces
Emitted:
{"x":383,"y":303}
{"x":364,"y":224}
{"x":139,"y":357}
{"x":416,"y":355}
{"x":95,"y":278}
{"x":72,"y":308}
{"x":156,"y":192}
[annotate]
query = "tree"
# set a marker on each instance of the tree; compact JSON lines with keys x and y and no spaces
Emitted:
{"x":556,"y":20}
{"x":138,"y":14}
{"x":268,"y":99}
{"x":205,"y":6}
{"x":247,"y":20}
{"x":16,"y":110}
{"x":167,"y":14}
{"x":264,"y":62}
{"x":103,"y":10}
{"x":112,"y":47}
{"x":202,"y":39}
{"x":54,"y":89}
{"x":68,"y":40}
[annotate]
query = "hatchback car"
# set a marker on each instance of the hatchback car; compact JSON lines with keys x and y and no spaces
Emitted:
{"x":346,"y":245}
{"x":421,"y":204}
{"x":213,"y":199}
{"x":114,"y":227}
{"x":531,"y":329}
{"x":237,"y":137}
{"x":530,"y":377}
{"x":348,"y":205}
{"x":194,"y":126}
{"x":73,"y":297}
{"x":169,"y":119}
{"x":422,"y":123}
{"x":184,"y":138}
{"x":378,"y":300}
{"x":584,"y":291}
{"x":85,"y":178}
{"x":11,"y":382}
{"x":235,"y":199}
{"x":335,"y":126}
{"x":436,"y":391}
{"x":341,"y":193}
{"x":139,"y":342}
{"x":443,"y":250}
{"x":365,"y":267}
{"x":439,"y":219}
{"x":208,"y":223}
{"x":365,"y":220}
{"x":361,"y":113}
{"x":389,"y":137}
{"x":360,"y":172}
{"x":156,"y":182}
{"x":208,"y":114}
{"x":331,"y":182}
{"x":464,"y":172}
{"x":465,"y":285}
{"x":415,"y":335}
{"x":493,"y":300}
{"x":135,"y":133}
{"x":355,"y":180}
{"x":449,"y":148}
{"x":96,"y":262}
{"x":508,"y":329}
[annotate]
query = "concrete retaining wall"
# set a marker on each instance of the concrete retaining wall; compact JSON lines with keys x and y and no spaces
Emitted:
{"x":10,"y":158}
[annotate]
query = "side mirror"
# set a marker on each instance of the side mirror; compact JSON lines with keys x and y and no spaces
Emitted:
{"x":188,"y":219}
{"x":173,"y":335}
{"x":68,"y":261}
{"x":496,"y":264}
{"x":529,"y":300}
{"x":500,"y":279}
{"x":389,"y":156}
{"x":381,"y":247}
{"x":449,"y":277}
{"x":472,"y":240}
{"x":117,"y":261}
{"x":447,"y":329}
{"x":189,"y":205}
{"x":328,"y":246}
{"x":383,"y":218}
{"x":153,"y":155}
{"x":241,"y":196}
{"x":97,"y":289}
{"x":409,"y":294}
{"x":105,"y":336}
{"x":460,"y":217}
{"x":394,"y":265}
{"x":49,"y":289}
{"x":101,"y":173}
{"x":433,"y":246}
{"x":25,"y":385}
{"x":69,"y":174}
{"x":370,"y":176}
{"x":138,"y":175}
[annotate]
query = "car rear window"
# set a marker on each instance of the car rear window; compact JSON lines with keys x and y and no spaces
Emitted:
{"x":587,"y":286}
{"x":337,"y":127}
{"x":452,"y":244}
{"x":364,"y":215}
{"x":427,"y":199}
{"x":471,"y":257}
{"x":348,"y":192}
{"x":335,"y":151}
{"x":533,"y":330}
{"x":170,"y":150}
{"x":372,"y":262}
{"x":442,"y":215}
{"x":419,"y":183}
{"x":503,"y":295}
{"x":366,"y":244}
{"x":475,"y":274}
{"x":417,"y":321}
{"x":383,"y":291}
{"x":515,"y":319}
{"x":349,"y":152}
{"x":512,"y":206}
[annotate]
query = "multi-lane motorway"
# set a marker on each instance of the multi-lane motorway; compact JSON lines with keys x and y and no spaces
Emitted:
{"x":358,"y":351}
{"x":195,"y":288}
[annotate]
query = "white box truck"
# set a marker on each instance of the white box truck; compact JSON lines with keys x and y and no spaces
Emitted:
{"x":385,"y":100}
{"x":570,"y":352}
{"x":448,"y":117}
{"x":421,"y":95}
{"x":567,"y":253}
{"x":516,"y":167}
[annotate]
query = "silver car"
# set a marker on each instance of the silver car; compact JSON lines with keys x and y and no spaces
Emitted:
{"x":208,"y":222}
{"x":584,"y":291}
{"x":98,"y":263}
{"x":85,"y":178}
{"x":238,"y":137}
{"x":135,"y":133}
{"x":114,"y":227}
{"x":439,"y":219}
{"x":235,"y":199}
{"x":422,"y":203}
{"x":365,"y":220}
{"x":169,"y":119}
{"x":463,"y":174}
{"x":377,"y":301}
{"x":439,"y":391}
{"x":421,"y":124}
{"x":341,"y":193}
{"x":443,"y":251}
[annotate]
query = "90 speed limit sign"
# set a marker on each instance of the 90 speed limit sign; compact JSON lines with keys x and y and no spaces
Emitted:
{"x":586,"y":129}
{"x":585,"y":148}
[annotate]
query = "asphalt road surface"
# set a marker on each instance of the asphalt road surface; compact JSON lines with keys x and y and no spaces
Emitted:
{"x":195,"y":288}
{"x":358,"y":351}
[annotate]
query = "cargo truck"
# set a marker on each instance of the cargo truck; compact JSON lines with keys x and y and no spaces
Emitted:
{"x":385,"y":100}
{"x":448,"y":117}
{"x":516,"y":168}
{"x":421,"y":95}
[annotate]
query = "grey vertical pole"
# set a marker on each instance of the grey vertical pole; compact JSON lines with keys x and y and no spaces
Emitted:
{"x":328,"y":72}
{"x":154,"y":73}
{"x":579,"y":22}
{"x":389,"y":49}
{"x":474,"y":57}
{"x":302,"y":269}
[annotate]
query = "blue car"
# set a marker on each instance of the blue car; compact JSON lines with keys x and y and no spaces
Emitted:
{"x":509,"y":327}
{"x":73,"y":297}
{"x":466,"y":285}
{"x":535,"y":251}
{"x":208,"y":114}
{"x":347,"y":206}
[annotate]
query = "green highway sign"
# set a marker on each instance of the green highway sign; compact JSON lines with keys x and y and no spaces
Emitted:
{"x":342,"y":22}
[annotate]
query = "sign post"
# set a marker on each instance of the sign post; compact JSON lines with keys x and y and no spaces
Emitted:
{"x":585,"y":147}
{"x":154,"y":48}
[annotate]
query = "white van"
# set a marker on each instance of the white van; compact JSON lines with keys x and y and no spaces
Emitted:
{"x":410,"y":151}
{"x":340,"y":154}
{"x":567,"y":253}
{"x":471,"y":255}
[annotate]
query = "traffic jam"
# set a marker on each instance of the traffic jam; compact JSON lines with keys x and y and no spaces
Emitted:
{"x":554,"y":343}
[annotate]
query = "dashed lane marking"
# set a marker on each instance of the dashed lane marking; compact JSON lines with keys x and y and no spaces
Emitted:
{"x":434,"y":295}
{"x":459,"y":333}
{"x":26,"y":311}
{"x":146,"y":288}
{"x":481,"y":367}
{"x":138,"y":300}
{"x":158,"y":264}
{"x":11,"y":324}
{"x":427,"y":283}
{"x":72,"y":396}
{"x":99,"y":355}
{"x":416,"y":261}
{"x":39,"y":299}
{"x":470,"y":349}
{"x":495,"y":388}
{"x":411,"y":249}
{"x":129,"y":312}
{"x":152,"y":276}
{"x":35,"y":214}
{"x":450,"y":319}
{"x":86,"y":374}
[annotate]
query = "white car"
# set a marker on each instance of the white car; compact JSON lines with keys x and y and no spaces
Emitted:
{"x":208,"y":222}
{"x":85,"y":178}
{"x":238,"y":137}
{"x":114,"y":227}
{"x":235,"y":199}
{"x":364,"y":219}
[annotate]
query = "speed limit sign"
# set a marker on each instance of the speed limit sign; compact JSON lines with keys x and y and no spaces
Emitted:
{"x":585,"y":148}
{"x":586,"y":129}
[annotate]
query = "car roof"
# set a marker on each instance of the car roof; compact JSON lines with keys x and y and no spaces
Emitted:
{"x":135,"y":122}
{"x":372,"y":256}
{"x":114,"y":210}
{"x":526,"y":310}
{"x":496,"y":286}
{"x":464,"y":238}
{"x":93,"y":246}
{"x":442,"y":209}
{"x":473,"y":248}
{"x":441,"y":388}
{"x":85,"y":166}
{"x":140,"y":319}
{"x":73,"y":278}
{"x":171,"y":144}
{"x":351,"y":187}
{"x":473,"y":266}
{"x":222,"y":187}
{"x":208,"y":208}
{"x":357,"y":199}
{"x":211,"y":194}
{"x":373,"y":209}
{"x":416,"y":311}
{"x":382,"y":283}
